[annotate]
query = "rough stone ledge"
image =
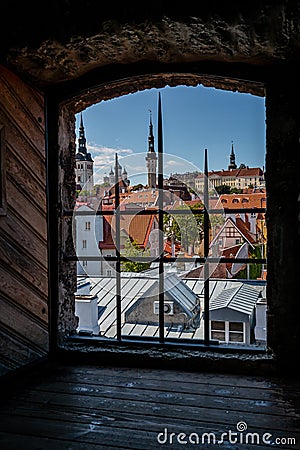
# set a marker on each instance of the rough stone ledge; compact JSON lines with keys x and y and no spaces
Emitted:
{"x":135,"y":355}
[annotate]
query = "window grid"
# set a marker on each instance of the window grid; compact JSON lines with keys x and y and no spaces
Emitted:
{"x":161,"y":259}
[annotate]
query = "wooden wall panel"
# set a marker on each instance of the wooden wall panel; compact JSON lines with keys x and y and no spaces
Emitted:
{"x":23,"y":230}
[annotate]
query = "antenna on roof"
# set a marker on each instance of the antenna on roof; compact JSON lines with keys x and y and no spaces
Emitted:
{"x":241,"y":253}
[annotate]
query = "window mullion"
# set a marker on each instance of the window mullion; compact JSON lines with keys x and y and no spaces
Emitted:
{"x":206,"y":252}
{"x":118,"y":262}
{"x":161,"y":295}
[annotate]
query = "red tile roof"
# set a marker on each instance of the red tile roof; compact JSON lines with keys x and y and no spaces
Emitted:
{"x":247,"y":172}
{"x":231,"y":201}
{"x":137,"y":227}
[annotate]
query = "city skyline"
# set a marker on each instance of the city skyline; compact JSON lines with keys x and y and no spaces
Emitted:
{"x":194,"y":118}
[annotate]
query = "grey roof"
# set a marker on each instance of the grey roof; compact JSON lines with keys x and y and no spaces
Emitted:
{"x":180,"y":292}
{"x":134,"y":286}
{"x":241,"y":298}
{"x":176,"y":289}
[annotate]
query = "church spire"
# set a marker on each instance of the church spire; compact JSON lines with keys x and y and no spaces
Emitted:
{"x":232,"y":164}
{"x":82,"y":139}
{"x":84,"y":163}
{"x":150,"y":137}
{"x":151,"y":158}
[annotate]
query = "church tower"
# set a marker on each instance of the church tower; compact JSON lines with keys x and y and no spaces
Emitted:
{"x":232,"y":164}
{"x":84,"y":169}
{"x":151,"y":158}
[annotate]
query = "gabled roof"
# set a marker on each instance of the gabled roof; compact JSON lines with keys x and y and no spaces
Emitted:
{"x":241,"y":298}
{"x":180,"y":293}
{"x":137,"y":227}
{"x":83,"y":206}
{"x":241,"y":228}
{"x":176,"y":289}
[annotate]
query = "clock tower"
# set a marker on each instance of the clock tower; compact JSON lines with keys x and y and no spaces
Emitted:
{"x":151,"y":158}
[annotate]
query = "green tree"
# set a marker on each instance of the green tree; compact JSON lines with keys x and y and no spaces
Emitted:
{"x":137,"y":187}
{"x":186,"y":228}
{"x":223,"y":189}
{"x":254,"y":270}
{"x":236,"y":190}
{"x":132,"y":249}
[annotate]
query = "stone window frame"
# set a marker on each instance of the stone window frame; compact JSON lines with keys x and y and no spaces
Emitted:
{"x":78,"y":96}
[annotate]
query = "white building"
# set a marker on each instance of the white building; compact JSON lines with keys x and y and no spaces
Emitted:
{"x":88,"y":232}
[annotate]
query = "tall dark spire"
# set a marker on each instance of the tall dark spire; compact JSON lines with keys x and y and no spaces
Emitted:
{"x":151,"y":157}
{"x":232,"y":164}
{"x":150,"y":137}
{"x":82,"y":154}
{"x":84,"y":162}
{"x":82,"y":139}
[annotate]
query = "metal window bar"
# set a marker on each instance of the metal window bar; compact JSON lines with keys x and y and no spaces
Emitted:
{"x":118,"y":261}
{"x":152,"y":211}
{"x":206,"y":251}
{"x":160,"y":222}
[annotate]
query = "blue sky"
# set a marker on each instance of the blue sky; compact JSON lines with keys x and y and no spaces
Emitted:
{"x":194,"y":118}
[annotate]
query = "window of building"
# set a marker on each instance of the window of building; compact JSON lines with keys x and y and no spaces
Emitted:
{"x":88,"y":226}
{"x":230,"y":232}
{"x":228,"y":332}
{"x":84,"y":243}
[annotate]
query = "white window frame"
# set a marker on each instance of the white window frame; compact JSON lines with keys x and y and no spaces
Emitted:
{"x":227,"y":332}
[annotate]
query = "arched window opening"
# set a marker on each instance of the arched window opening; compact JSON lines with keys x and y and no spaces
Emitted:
{"x":173,"y":251}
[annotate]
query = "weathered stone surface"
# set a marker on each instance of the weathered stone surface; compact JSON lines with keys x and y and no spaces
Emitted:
{"x":74,"y":39}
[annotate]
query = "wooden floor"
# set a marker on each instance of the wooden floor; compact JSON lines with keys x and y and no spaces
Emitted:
{"x":88,"y":407}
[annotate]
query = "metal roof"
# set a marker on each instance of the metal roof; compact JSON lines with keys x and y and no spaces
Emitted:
{"x":135,"y":285}
{"x":241,"y":298}
{"x":177,"y":290}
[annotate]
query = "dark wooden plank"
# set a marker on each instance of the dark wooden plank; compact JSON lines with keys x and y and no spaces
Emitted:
{"x":91,"y":433}
{"x":15,"y":441}
{"x":28,"y":156}
{"x":177,"y":376}
{"x":126,"y":419}
{"x":26,"y":210}
{"x":23,"y":267}
{"x":15,"y":350}
{"x":219,"y":416}
{"x":228,"y":386}
{"x":128,"y":423}
{"x":29,"y":95}
{"x":24,"y":113}
{"x":16,"y":320}
{"x":32,"y":244}
{"x":96,"y":431}
{"x":212,"y":398}
{"x":21,"y":294}
{"x":24,"y":177}
{"x":23,"y":231}
{"x":112,"y":415}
